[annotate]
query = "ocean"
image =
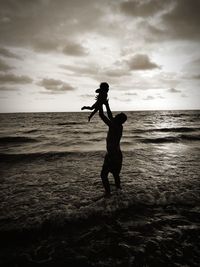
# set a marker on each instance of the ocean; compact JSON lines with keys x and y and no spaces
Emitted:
{"x":52,"y":209}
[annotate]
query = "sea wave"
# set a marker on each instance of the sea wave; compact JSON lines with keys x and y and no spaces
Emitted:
{"x":173,"y":129}
{"x":4,"y":157}
{"x":193,"y":114}
{"x":172,"y":139}
{"x":16,"y":139}
{"x":20,"y":156}
{"x":190,"y":137}
{"x":31,"y":131}
{"x":68,"y":123}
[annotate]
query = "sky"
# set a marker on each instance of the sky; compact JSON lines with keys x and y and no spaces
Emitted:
{"x":54,"y":54}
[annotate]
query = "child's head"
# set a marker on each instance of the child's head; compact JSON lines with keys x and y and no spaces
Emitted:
{"x":104,"y":86}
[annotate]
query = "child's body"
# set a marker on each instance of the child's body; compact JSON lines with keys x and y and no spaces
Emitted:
{"x":101,"y":98}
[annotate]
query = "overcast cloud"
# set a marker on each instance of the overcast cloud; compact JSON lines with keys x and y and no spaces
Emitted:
{"x":14,"y":79}
{"x":55,"y":86}
{"x":173,"y":90}
{"x":6,"y":53}
{"x":68,"y":47}
{"x":141,"y":62}
{"x":4,"y":66}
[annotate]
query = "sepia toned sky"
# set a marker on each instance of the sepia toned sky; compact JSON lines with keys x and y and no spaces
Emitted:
{"x":54,"y":54}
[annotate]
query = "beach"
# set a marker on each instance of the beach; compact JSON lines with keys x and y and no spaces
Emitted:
{"x":53,"y":212}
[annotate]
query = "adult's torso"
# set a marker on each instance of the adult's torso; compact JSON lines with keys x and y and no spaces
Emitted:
{"x":113,"y":138}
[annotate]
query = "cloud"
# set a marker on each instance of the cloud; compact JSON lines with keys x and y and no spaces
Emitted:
{"x":27,"y":21}
{"x":191,"y":69}
{"x":149,"y":97}
{"x":190,"y":76}
{"x":182,"y":22}
{"x":122,"y":99}
{"x":160,"y":96}
{"x":116,"y":72}
{"x":141,"y":62}
{"x":164,"y":20}
{"x":151,"y":33}
{"x":173,"y":90}
{"x":87,"y":96}
{"x":196,"y":77}
{"x":67,"y":47}
{"x":45,"y":45}
{"x":89,"y":69}
{"x":6,"y":53}
{"x":14,"y":79}
{"x":131,"y":93}
{"x":4,"y":66}
{"x":55,"y":86}
{"x":183,"y":95}
{"x":97,"y":72}
{"x":7,"y":89}
{"x":142,"y":8}
{"x":74,"y":49}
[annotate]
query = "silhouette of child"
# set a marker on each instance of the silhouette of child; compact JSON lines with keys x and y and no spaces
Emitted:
{"x":101,"y":99}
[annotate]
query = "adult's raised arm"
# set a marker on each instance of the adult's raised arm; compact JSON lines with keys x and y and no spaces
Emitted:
{"x":109,"y":112}
{"x":103,"y":117}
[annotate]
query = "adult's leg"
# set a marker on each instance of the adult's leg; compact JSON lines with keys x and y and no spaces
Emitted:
{"x":104,"y":178}
{"x":116,"y":167}
{"x":117,"y":179}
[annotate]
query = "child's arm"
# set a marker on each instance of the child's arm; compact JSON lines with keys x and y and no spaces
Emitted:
{"x":109,"y":112}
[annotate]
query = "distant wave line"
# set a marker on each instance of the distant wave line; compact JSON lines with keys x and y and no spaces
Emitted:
{"x":173,"y":129}
{"x":45,"y":155}
{"x":16,"y":139}
{"x":69,"y":123}
{"x":171,"y":139}
{"x":31,"y":131}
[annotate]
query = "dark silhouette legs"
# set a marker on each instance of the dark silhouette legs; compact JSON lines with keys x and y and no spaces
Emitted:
{"x":106,"y":184}
{"x":117,"y":180}
{"x":90,"y":108}
{"x":104,"y":178}
{"x":92,"y":114}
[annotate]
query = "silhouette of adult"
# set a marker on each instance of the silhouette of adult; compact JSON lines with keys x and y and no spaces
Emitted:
{"x":113,"y":158}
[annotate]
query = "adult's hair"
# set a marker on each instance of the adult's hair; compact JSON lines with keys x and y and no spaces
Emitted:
{"x":121,"y":117}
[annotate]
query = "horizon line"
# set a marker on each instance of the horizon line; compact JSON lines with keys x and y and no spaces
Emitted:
{"x":75,"y":111}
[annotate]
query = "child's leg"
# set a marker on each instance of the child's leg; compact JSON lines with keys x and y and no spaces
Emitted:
{"x":92,"y":114}
{"x":87,"y":107}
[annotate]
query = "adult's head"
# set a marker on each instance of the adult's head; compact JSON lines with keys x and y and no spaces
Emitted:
{"x":104,"y":86}
{"x":120,"y":118}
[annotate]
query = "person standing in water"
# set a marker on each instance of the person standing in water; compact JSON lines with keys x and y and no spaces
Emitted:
{"x":113,"y":158}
